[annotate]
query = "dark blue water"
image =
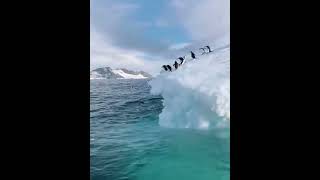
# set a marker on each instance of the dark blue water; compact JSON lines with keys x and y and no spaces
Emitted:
{"x":126,"y":141}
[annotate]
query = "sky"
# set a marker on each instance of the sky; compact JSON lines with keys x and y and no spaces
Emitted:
{"x":145,"y":34}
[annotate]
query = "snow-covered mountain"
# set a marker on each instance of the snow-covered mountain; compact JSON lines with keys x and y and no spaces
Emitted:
{"x":108,"y":73}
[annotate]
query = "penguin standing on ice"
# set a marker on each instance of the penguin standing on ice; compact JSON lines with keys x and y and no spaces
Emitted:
{"x":193,"y":55}
{"x":175,"y":64}
{"x":209,"y":49}
{"x":169,"y":67}
{"x":165,"y":67}
{"x":181,"y":60}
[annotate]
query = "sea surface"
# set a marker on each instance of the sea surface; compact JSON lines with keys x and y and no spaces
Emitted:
{"x":127,"y":142}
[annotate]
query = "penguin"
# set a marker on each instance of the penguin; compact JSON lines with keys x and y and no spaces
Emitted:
{"x":169,"y":67}
{"x":193,"y":55}
{"x":209,"y":49}
{"x":181,"y":59}
{"x":176,"y":64}
{"x":165,"y":67}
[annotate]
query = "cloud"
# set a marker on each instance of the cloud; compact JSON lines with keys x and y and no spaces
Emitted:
{"x":117,"y":40}
{"x":178,"y":46}
{"x":116,"y":20}
{"x":203,"y":19}
{"x":103,"y":53}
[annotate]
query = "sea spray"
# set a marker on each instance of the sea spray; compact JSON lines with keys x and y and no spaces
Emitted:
{"x":197,"y":95}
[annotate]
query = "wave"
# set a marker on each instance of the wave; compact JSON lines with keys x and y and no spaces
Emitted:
{"x":197,"y":95}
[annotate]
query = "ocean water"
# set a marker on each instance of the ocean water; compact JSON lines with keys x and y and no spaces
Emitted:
{"x":127,"y":142}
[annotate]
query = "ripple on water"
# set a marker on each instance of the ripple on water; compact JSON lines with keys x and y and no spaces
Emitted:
{"x":126,"y":141}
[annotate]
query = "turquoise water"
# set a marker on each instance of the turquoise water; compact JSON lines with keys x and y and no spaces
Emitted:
{"x":126,"y":141}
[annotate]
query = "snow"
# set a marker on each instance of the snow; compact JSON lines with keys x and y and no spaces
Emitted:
{"x":95,"y":75}
{"x":128,"y":76}
{"x":197,"y":94}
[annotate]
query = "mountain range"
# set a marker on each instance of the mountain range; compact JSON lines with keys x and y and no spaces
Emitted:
{"x":120,"y":73}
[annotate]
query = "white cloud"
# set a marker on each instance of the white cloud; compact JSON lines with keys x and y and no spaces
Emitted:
{"x":178,"y":46}
{"x":204,"y":19}
{"x":118,"y":20}
{"x":103,"y":53}
{"x":116,"y":41}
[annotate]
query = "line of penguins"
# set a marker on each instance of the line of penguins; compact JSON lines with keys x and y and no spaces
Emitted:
{"x":205,"y":50}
